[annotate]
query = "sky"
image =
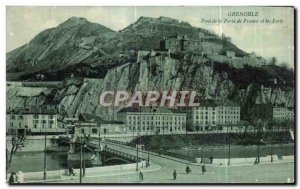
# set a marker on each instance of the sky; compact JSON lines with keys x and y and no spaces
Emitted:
{"x":265,"y":39}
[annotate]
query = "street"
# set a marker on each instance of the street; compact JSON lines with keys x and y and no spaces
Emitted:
{"x":262,"y":173}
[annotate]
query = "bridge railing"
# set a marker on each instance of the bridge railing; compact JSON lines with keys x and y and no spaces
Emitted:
{"x":117,"y":142}
{"x":123,"y":155}
{"x":180,"y":156}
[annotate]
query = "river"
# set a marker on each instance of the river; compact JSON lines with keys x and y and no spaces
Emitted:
{"x":237,"y":151}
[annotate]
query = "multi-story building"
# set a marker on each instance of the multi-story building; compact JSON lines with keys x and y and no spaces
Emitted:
{"x":153,"y":120}
{"x":211,"y":114}
{"x":270,"y":112}
{"x":202,"y":117}
{"x":183,"y":43}
{"x":94,"y":125}
{"x":32,"y":121}
{"x":282,"y":113}
{"x":227,"y":112}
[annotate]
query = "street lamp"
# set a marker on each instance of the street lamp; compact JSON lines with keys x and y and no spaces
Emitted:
{"x":272,"y":145}
{"x":80,"y":172}
{"x":139,"y":135}
{"x":45,"y":153}
{"x":133,"y":128}
{"x":201,"y":154}
{"x":148,"y":161}
{"x":258,"y":150}
{"x":99,"y":134}
{"x":82,"y":142}
{"x":229,"y":151}
{"x":84,"y":160}
{"x":228,"y":141}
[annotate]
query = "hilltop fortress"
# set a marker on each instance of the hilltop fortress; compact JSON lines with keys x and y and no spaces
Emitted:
{"x":205,"y":43}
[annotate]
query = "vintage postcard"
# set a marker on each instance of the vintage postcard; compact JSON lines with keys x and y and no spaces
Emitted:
{"x":150,"y":95}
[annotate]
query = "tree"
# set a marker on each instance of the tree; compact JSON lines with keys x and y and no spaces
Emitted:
{"x":16,"y":143}
{"x":284,"y":65}
{"x":273,"y":61}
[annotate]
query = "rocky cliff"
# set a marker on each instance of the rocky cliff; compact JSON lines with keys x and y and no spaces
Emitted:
{"x":87,"y":49}
{"x":161,"y":72}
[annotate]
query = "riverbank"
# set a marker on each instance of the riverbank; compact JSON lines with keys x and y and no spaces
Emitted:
{"x":167,"y":142}
{"x":62,"y":174}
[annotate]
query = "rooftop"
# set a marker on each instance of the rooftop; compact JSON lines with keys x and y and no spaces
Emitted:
{"x":93,"y":118}
{"x":42,"y":110}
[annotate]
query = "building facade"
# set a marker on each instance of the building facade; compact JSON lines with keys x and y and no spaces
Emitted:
{"x":211,"y":114}
{"x":271,"y":112}
{"x":282,"y":113}
{"x":33,"y":121}
{"x":94,"y":125}
{"x":153,"y":120}
{"x":183,"y":43}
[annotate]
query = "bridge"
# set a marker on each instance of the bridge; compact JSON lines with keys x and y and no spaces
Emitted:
{"x":105,"y":154}
{"x":265,"y":172}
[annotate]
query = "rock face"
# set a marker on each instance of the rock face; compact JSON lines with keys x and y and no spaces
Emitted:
{"x":87,"y":49}
{"x":158,"y":72}
{"x":68,"y":44}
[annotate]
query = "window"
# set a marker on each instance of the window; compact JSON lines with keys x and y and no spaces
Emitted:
{"x":82,"y":130}
{"x":12,"y":117}
{"x":36,"y":116}
{"x":35,"y":126}
{"x":94,"y":130}
{"x":20,"y":117}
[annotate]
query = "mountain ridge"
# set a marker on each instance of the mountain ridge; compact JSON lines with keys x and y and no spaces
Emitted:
{"x":90,"y":49}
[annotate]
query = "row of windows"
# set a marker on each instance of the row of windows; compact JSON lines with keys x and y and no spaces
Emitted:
{"x":34,"y":126}
{"x":231,"y":112}
{"x":21,"y":117}
{"x":281,"y":110}
{"x":153,"y":128}
{"x":14,"y":117}
{"x":229,"y":117}
{"x":218,"y":107}
{"x":213,"y":117}
{"x":43,"y":126}
{"x":43,"y":121}
{"x":155,"y":118}
{"x":156,"y":123}
{"x":206,"y":122}
{"x":214,"y":122}
{"x":220,"y":112}
{"x":283,"y":114}
{"x":228,"y":108}
{"x":43,"y":116}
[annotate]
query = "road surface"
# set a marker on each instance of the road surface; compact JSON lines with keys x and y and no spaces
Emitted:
{"x":263,"y":173}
